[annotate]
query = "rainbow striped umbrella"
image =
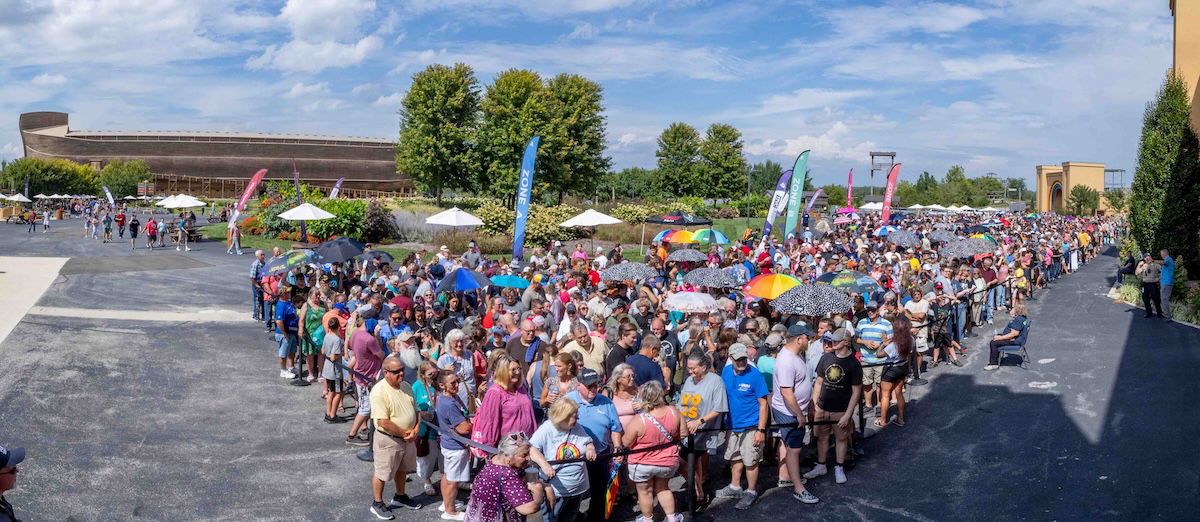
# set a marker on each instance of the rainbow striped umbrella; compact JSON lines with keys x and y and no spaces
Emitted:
{"x":710,"y":236}
{"x":769,"y":286}
{"x":680,"y":237}
{"x":614,"y":486}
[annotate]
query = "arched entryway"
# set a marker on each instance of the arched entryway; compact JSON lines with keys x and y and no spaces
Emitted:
{"x":1056,"y":196}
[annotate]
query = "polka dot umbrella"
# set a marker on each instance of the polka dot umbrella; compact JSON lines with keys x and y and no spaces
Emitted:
{"x":813,"y":300}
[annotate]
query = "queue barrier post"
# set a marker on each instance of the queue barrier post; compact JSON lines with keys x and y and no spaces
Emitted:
{"x":689,"y":481}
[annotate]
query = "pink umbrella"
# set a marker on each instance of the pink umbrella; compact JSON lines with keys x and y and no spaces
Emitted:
{"x":847,"y":210}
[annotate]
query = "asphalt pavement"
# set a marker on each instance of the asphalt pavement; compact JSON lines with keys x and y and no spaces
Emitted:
{"x":154,"y":419}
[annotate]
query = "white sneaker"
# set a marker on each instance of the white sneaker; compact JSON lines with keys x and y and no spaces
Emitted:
{"x":310,"y":379}
{"x":189,"y":249}
{"x":177,"y":249}
{"x":991,"y":367}
{"x":457,"y":516}
{"x":286,"y":374}
{"x":839,"y":475}
{"x":458,"y":506}
{"x":816,"y":472}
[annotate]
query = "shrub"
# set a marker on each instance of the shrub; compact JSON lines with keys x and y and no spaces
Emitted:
{"x":726,"y":213}
{"x":348,"y":220}
{"x":457,"y":240}
{"x":540,"y":228}
{"x":377,"y":223}
{"x":637,"y":213}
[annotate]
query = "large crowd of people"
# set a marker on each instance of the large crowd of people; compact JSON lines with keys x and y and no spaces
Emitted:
{"x":536,"y":393}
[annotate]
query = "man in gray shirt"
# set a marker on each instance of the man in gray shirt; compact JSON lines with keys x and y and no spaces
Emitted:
{"x":702,"y":402}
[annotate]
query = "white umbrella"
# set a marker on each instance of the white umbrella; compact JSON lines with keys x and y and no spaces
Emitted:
{"x":19,"y":198}
{"x":872,"y":206}
{"x":454,"y":217}
{"x":305,"y":212}
{"x":166,"y":201}
{"x":691,"y":302}
{"x":181,"y":201}
{"x":41,"y":196}
{"x":590,"y":218}
{"x":143,"y":198}
{"x":129,"y":197}
{"x":935,"y":206}
{"x":917,"y":207}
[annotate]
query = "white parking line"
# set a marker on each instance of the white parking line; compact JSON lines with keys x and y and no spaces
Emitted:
{"x":23,"y":280}
{"x":199,"y":316}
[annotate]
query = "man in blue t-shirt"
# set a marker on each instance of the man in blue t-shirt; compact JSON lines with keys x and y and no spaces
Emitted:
{"x":747,"y":393}
{"x":1166,"y":282}
{"x":598,"y":417}
{"x":1014,"y":335}
{"x":286,"y":330}
{"x":645,"y":369}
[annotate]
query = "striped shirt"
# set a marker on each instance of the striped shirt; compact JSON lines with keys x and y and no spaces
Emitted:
{"x":256,"y":269}
{"x":869,"y":331}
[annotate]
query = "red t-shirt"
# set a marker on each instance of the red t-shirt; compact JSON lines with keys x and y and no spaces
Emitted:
{"x":120,"y":219}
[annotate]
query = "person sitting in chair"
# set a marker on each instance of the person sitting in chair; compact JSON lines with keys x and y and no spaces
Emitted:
{"x":1013,"y":335}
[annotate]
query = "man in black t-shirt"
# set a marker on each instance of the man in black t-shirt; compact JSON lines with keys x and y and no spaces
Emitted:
{"x":668,"y":353}
{"x":838,"y":387}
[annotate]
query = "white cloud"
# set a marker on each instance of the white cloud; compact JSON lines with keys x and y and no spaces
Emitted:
{"x":807,"y":98}
{"x":323,"y":105}
{"x":976,"y":67}
{"x":390,"y":101}
{"x":304,"y":89}
{"x":584,"y":31}
{"x":611,"y":59}
{"x":318,"y":21}
{"x":364,"y":88}
{"x":49,"y":80}
{"x":873,"y":23}
{"x":545,"y":9}
{"x":10,"y":150}
{"x":834,"y":143}
{"x":306,"y":56}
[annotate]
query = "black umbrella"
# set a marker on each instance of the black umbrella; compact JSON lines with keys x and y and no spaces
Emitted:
{"x":709,"y":277}
{"x":969,"y":247}
{"x":903,"y":238}
{"x":942,"y":236}
{"x":679,"y":218}
{"x":628,"y":272}
{"x":978,"y":229}
{"x":942,"y":225}
{"x":340,"y":250}
{"x":463,"y":279}
{"x":384,"y":257}
{"x":815,"y":300}
{"x":687,"y":254}
{"x":289,"y":260}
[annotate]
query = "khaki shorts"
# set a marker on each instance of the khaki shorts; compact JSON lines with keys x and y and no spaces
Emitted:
{"x":741,"y":447}
{"x":392,"y":454}
{"x":871,"y":375}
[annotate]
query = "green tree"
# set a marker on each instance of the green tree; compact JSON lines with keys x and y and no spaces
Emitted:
{"x":122,"y":177}
{"x":1082,"y":201}
{"x":926,"y":189}
{"x":1118,"y":200}
{"x":572,"y":156}
{"x":722,"y":163}
{"x":438,"y":119}
{"x":906,"y":194}
{"x":956,"y":174}
{"x":1166,"y":185}
{"x":836,"y":195}
{"x":515,"y":109}
{"x":764,"y":176}
{"x":50,"y":176}
{"x":678,"y":161}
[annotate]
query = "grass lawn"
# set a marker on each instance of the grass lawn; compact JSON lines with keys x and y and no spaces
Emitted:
{"x":216,"y":232}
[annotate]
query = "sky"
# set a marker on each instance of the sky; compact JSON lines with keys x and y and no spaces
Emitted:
{"x":994,"y":85}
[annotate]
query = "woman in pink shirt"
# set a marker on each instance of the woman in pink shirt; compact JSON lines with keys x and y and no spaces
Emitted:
{"x":506,"y":406}
{"x":657,"y":423}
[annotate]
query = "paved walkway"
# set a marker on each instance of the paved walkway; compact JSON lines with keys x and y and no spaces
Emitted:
{"x":127,"y":416}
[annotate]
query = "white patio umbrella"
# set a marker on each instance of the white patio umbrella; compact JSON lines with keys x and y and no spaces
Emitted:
{"x":454,"y":217}
{"x":872,"y":206}
{"x":935,"y":206}
{"x":305,"y":212}
{"x":19,"y":198}
{"x":166,"y":201}
{"x":918,"y":206}
{"x":181,"y":201}
{"x":695,"y":302}
{"x":590,"y":218}
{"x":41,"y":196}
{"x":129,"y":197}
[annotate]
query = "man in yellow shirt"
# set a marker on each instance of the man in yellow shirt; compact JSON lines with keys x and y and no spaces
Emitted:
{"x":394,"y":410}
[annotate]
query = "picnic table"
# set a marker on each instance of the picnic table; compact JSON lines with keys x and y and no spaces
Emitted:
{"x":193,"y":233}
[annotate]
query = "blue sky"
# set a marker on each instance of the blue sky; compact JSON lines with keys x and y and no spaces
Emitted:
{"x":993,"y":85}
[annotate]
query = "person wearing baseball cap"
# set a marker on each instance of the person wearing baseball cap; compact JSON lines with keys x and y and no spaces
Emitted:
{"x":9,"y":458}
{"x":747,"y":396}
{"x":789,"y":404}
{"x":598,"y":417}
{"x":837,"y":388}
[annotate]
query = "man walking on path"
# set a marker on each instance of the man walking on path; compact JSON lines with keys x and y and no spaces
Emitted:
{"x":747,"y":396}
{"x":256,"y":290}
{"x":396,"y":427}
{"x":1166,"y":282}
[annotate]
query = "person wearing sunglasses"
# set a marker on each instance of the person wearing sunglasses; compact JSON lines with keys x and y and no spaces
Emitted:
{"x":9,"y":458}
{"x":394,"y":410}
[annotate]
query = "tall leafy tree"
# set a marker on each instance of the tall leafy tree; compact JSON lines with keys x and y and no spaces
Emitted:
{"x":1118,"y":200}
{"x":50,"y":176}
{"x":573,"y":152}
{"x":836,"y":195}
{"x":438,"y":119}
{"x":764,"y":176}
{"x":1082,"y":201}
{"x":122,"y":177}
{"x":721,"y":162}
{"x":515,"y":109}
{"x":956,"y":174}
{"x":1166,"y":185}
{"x":926,"y":185}
{"x":678,"y":161}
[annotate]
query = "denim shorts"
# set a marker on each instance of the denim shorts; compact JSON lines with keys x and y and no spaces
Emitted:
{"x":791,"y":437}
{"x":287,"y":344}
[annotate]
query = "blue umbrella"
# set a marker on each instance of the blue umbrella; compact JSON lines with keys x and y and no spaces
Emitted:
{"x":885,"y":230}
{"x":510,"y":281}
{"x":461,"y":280}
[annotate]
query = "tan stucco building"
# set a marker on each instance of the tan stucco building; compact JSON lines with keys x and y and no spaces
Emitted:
{"x":1186,"y":52}
{"x":1054,"y":183}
